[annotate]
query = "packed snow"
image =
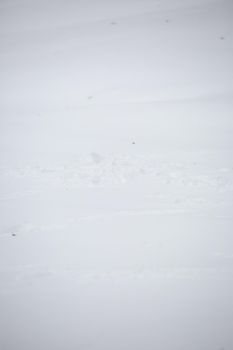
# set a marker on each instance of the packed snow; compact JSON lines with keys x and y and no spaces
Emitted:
{"x":116,"y":175}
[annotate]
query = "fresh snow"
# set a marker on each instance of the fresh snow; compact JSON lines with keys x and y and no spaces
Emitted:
{"x":116,"y":175}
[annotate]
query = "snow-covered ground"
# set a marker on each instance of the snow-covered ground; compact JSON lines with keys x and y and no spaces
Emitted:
{"x":116,"y":175}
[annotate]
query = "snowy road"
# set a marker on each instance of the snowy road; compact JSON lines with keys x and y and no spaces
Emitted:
{"x":116,"y":175}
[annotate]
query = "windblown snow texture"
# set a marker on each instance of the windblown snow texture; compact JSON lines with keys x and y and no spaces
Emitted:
{"x":116,"y":175}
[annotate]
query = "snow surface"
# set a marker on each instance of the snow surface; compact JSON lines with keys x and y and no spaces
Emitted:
{"x":116,"y":175}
